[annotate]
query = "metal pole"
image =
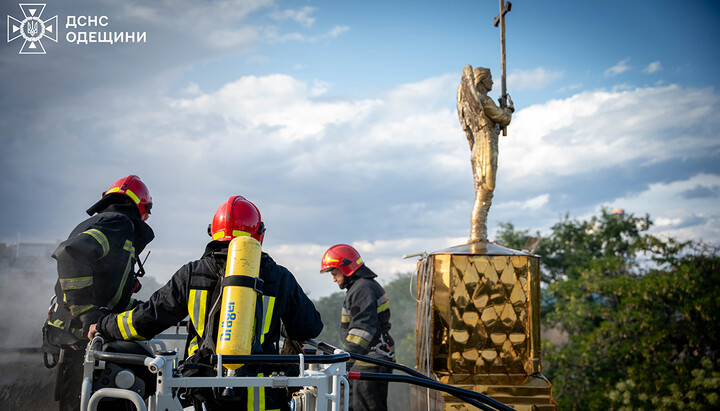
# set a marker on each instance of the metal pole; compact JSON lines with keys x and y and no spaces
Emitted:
{"x":503,"y":96}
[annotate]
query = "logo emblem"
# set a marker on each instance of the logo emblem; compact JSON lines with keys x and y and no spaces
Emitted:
{"x":32,"y":28}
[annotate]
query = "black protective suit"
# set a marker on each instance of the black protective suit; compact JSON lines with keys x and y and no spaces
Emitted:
{"x":193,"y":290}
{"x":95,"y":274}
{"x":364,"y":329}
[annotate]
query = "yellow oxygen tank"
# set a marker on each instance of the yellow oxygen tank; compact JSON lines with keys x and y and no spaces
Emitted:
{"x":237,"y":315}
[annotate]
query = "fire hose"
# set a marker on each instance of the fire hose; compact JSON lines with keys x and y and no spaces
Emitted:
{"x":473,"y":398}
{"x":476,"y":399}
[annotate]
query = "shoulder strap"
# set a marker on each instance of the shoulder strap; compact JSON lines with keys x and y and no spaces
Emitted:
{"x":211,"y":324}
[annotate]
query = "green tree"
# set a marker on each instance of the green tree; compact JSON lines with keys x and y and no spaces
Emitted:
{"x":573,"y":244}
{"x":642,"y":315}
{"x":515,"y":239}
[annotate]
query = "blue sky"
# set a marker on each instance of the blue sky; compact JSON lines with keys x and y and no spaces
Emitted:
{"x":338,"y":120}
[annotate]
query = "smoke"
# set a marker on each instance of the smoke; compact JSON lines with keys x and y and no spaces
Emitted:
{"x":27,"y":281}
{"x":26,"y":285}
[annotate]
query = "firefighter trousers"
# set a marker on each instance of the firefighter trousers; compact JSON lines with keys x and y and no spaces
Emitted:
{"x":369,"y":395}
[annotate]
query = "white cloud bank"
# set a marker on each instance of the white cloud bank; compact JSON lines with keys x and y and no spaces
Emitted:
{"x":389,"y":175}
{"x":595,"y":130}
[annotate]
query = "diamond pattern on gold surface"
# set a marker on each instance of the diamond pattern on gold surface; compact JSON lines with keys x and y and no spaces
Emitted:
{"x":489,"y":314}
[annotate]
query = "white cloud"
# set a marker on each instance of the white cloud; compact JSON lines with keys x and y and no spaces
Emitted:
{"x":303,"y":16}
{"x":192,"y":89}
{"x":594,"y":130}
{"x":384,"y":257}
{"x":335,"y":31}
{"x":676,"y":212}
{"x":276,"y":101}
{"x":653,"y":67}
{"x":534,"y":203}
{"x":222,"y":24}
{"x":388,"y":174}
{"x":532,"y":79}
{"x":570,"y":87}
{"x":173,"y":11}
{"x":619,"y":68}
{"x":192,"y":15}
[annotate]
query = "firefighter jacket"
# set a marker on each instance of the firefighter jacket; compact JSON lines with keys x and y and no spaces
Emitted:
{"x":365,"y":320}
{"x":96,"y":269}
{"x":193,"y":291}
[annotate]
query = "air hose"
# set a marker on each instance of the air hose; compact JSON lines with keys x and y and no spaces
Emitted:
{"x":471,"y":397}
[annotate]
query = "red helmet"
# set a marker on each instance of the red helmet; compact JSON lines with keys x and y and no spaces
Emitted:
{"x":343,"y":257}
{"x":131,"y":187}
{"x":237,"y":217}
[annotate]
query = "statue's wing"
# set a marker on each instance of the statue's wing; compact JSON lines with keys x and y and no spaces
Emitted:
{"x":471,"y":115}
{"x":468,"y":105}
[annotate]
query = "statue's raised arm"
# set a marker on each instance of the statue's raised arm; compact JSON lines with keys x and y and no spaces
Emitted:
{"x":481,"y":119}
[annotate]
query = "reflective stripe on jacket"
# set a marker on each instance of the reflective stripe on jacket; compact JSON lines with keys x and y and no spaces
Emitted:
{"x":365,"y":313}
{"x":96,"y":269}
{"x":193,"y":290}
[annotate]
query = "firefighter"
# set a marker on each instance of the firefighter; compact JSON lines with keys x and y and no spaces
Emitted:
{"x":364,"y":324}
{"x":96,"y":273}
{"x":194,"y":290}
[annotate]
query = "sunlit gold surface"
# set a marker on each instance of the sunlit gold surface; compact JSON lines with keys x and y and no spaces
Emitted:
{"x":483,"y":304}
{"x":485,"y":328}
{"x":481,"y":118}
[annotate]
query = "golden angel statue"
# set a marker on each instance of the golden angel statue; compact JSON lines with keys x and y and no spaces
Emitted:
{"x":482,"y":120}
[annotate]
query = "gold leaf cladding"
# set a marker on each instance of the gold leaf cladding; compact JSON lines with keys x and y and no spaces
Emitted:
{"x":523,"y":318}
{"x":481,"y":264}
{"x":491,"y":275}
{"x":497,"y":295}
{"x":455,"y":360}
{"x":441,"y":284}
{"x":460,"y":295}
{"x":522,"y":275}
{"x":482,"y":309}
{"x":508,"y":316}
{"x":470,"y":318}
{"x":533,"y":264}
{"x":517,"y":297}
{"x":489,"y":355}
{"x":499,"y":263}
{"x":507,"y":353}
{"x":481,"y":296}
{"x":470,"y":354}
{"x":459,"y":262}
{"x":519,"y":261}
{"x":498,"y":339}
{"x":442,"y":266}
{"x":460,"y":336}
{"x":470,"y":278}
{"x":517,"y":338}
{"x":489,"y":316}
{"x":455,"y":317}
{"x":508,"y":278}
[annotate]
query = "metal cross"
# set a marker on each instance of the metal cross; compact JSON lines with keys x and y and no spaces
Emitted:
{"x":500,"y":19}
